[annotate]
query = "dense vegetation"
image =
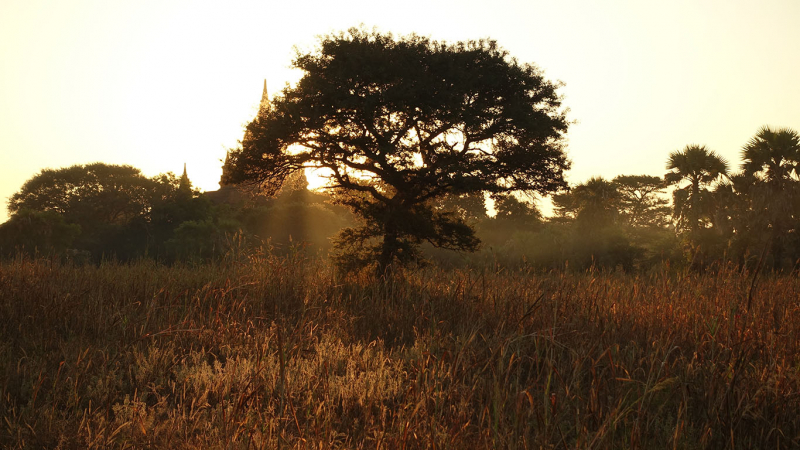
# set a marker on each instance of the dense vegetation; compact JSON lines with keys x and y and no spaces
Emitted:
{"x":268,"y":352}
{"x":87,"y":214}
{"x":716,"y":217}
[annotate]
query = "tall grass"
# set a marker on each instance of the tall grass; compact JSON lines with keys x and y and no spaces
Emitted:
{"x":282,"y":353}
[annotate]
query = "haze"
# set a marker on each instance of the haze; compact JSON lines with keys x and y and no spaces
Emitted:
{"x":157,"y":84}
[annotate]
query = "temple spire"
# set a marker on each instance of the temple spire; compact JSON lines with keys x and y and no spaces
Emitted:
{"x":264,"y":106}
{"x":185,"y":185}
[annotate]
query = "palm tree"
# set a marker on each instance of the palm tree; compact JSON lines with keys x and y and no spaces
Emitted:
{"x":700,"y":167}
{"x":772,"y":157}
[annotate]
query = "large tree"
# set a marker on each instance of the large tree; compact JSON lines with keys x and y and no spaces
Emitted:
{"x":401,"y":123}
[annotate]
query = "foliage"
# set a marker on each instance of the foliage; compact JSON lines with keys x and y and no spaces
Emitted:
{"x":87,"y":194}
{"x":771,"y":158}
{"x":37,"y":232}
{"x":641,"y":202}
{"x":595,"y":203}
{"x":700,"y":167}
{"x":772,"y":155}
{"x":469,"y":207}
{"x":598,"y":203}
{"x":401,"y":123}
{"x":200,"y":240}
{"x":175,"y":204}
{"x":511,"y":208}
{"x":105,"y":210}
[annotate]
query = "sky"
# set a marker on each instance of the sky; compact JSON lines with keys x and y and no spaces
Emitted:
{"x":156,"y":84}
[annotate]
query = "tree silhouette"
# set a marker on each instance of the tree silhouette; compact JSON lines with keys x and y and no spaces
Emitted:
{"x":87,"y":194}
{"x":641,"y":202}
{"x":594,"y":204}
{"x":771,"y":158}
{"x":511,"y":208}
{"x":36,"y":231}
{"x":470,"y":207}
{"x":117,"y":210}
{"x":700,"y":167}
{"x":597,"y":237}
{"x":401,"y":123}
{"x":739,"y":204}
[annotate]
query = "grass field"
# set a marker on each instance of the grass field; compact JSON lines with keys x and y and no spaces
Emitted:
{"x":275,"y":352}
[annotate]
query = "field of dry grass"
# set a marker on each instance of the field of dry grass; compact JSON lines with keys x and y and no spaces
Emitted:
{"x":281,"y":353}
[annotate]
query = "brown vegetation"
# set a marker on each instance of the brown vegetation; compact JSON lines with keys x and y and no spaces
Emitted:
{"x":273,"y":352}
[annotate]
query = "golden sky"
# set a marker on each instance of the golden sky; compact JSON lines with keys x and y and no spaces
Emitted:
{"x":155,"y":84}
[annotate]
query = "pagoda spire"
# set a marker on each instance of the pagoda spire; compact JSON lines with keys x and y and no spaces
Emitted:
{"x":185,"y":185}
{"x":264,"y":106}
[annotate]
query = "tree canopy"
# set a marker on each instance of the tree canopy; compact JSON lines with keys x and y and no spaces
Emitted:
{"x":98,"y":192}
{"x":773,"y":155}
{"x":700,"y":167}
{"x":641,"y":200}
{"x":103,"y":209}
{"x":401,"y":123}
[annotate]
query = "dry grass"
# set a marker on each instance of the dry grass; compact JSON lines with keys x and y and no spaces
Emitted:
{"x":279,"y":353}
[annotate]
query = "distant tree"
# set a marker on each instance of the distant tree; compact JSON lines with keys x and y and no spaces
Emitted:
{"x":641,"y":201}
{"x":296,"y":218}
{"x":117,"y":210}
{"x":772,"y":158}
{"x":511,"y":208}
{"x":593,"y":204}
{"x":565,"y":206}
{"x":693,"y":204}
{"x":87,"y":194}
{"x":513,"y":216}
{"x":296,"y":182}
{"x":37,"y":231}
{"x":400,"y":123}
{"x":469,"y":207}
{"x":201,"y":240}
{"x":173,"y":203}
{"x":739,"y":207}
{"x":598,"y":237}
{"x":700,"y":167}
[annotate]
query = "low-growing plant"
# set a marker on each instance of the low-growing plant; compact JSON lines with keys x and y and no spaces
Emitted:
{"x":260,"y":351}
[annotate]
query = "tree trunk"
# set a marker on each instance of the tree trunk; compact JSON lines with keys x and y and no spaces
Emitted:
{"x":695,"y":207}
{"x":389,"y":248}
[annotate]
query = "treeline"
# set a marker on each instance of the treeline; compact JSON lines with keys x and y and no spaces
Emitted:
{"x":621,"y":223}
{"x":714,"y":215}
{"x":87,"y":213}
{"x":749,"y":217}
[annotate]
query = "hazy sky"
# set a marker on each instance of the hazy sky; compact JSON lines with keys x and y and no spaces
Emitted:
{"x":155,"y":84}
